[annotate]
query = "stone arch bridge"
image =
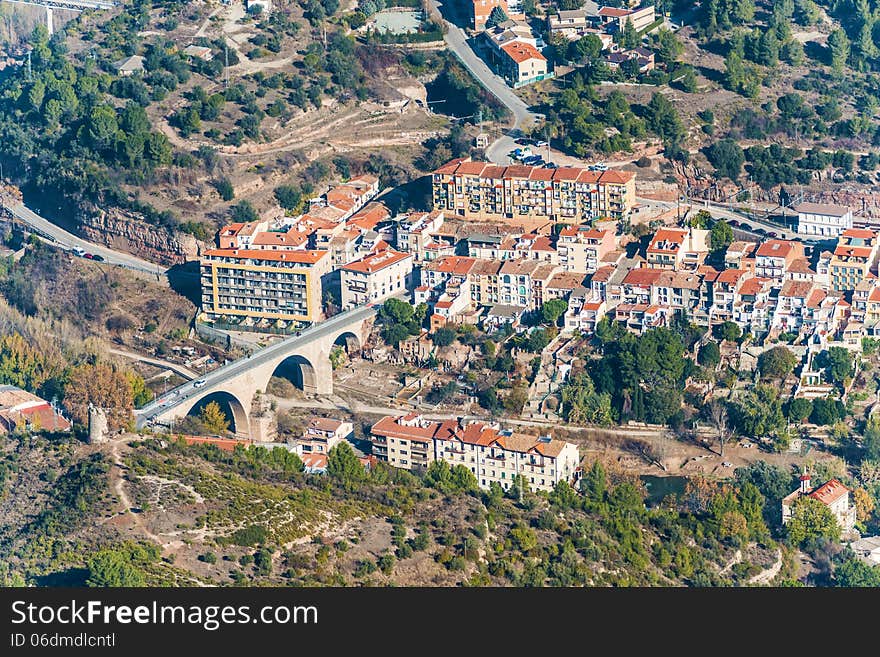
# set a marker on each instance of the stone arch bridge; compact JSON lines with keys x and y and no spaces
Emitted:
{"x":235,"y":385}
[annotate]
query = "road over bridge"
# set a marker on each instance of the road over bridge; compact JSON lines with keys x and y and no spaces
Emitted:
{"x":304,"y":358}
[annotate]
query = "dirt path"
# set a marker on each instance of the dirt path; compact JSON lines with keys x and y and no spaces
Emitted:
{"x":766,"y":576}
{"x":117,"y":484}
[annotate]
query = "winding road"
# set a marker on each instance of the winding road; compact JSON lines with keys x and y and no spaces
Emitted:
{"x":69,"y":241}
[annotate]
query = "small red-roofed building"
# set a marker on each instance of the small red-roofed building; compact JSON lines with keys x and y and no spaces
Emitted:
{"x":375,"y":277}
{"x":832,"y":494}
{"x":773,"y":257}
{"x":25,"y":412}
{"x":615,"y":18}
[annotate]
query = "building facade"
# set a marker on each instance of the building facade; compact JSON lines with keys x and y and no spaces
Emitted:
{"x":823,"y":219}
{"x":375,"y":277}
{"x":542,"y":196}
{"x":263,"y":283}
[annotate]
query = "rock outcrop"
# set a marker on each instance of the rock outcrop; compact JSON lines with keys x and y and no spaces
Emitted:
{"x":126,"y":232}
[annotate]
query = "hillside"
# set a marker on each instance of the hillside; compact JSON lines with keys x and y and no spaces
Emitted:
{"x":175,"y":147}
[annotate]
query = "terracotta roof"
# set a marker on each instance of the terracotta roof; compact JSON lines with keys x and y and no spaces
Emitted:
{"x":616,"y":177}
{"x":875,"y":295}
{"x":369,"y":216}
{"x":731,"y":275}
{"x":816,"y":298}
{"x":425,"y":432}
{"x":231,"y":230}
{"x":603,"y":274}
{"x":271,"y":238}
{"x":452,"y":265}
{"x":800,"y":266}
{"x":304,"y":256}
{"x":614,"y":12}
{"x":325,"y":424}
{"x":565,"y":280}
{"x":520,"y":51}
{"x":859,"y":233}
{"x":643,"y":276}
{"x":377,"y":261}
{"x":752,"y":286}
{"x":853,"y":251}
{"x":798,"y":289}
{"x":775,"y":248}
{"x":829,"y":492}
{"x":674,"y":236}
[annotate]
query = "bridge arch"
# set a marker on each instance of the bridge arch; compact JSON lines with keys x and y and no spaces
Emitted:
{"x":297,"y":369}
{"x":230,"y":405}
{"x":350,"y":341}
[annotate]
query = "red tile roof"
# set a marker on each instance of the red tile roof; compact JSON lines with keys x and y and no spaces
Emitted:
{"x":775,"y":248}
{"x":306,"y":257}
{"x":829,"y":492}
{"x":377,"y":261}
{"x":644,"y":276}
{"x":520,"y":52}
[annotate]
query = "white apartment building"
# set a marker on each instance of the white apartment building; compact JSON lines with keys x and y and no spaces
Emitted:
{"x":375,"y":277}
{"x":822,"y":219}
{"x":492,"y":454}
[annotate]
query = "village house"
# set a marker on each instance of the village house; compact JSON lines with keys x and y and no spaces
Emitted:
{"x":23,"y":411}
{"x":323,"y":434}
{"x":832,"y":494}
{"x":581,"y":248}
{"x":615,"y":19}
{"x":773,"y":257}
{"x":854,"y":256}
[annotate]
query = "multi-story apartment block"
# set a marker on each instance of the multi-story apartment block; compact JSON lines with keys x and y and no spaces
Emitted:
{"x":582,"y":248}
{"x":407,"y":441}
{"x":534,"y":196}
{"x":375,"y":277}
{"x":584,"y":311}
{"x":636,"y":285}
{"x":263,"y":283}
{"x":493,"y":455}
{"x":854,"y":255}
{"x":773,"y":257}
{"x":667,"y":248}
{"x":822,"y":219}
{"x":676,"y":290}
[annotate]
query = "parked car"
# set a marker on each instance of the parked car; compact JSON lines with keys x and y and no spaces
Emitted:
{"x":772,"y":234}
{"x":551,"y":165}
{"x":97,"y":257}
{"x":78,"y":251}
{"x":734,"y":223}
{"x":199,"y":383}
{"x":88,"y":255}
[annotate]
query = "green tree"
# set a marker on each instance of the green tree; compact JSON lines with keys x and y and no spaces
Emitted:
{"x":553,"y":309}
{"x":871,"y":440}
{"x":496,"y":16}
{"x":854,"y":572}
{"x":776,"y":363}
{"x":810,"y":519}
{"x":344,"y":466}
{"x":443,"y":336}
{"x":758,"y":412}
{"x":710,"y":355}
{"x":839,"y":46}
{"x":629,"y":36}
{"x":213,"y":419}
{"x":721,"y":236}
{"x":799,"y":409}
{"x":289,"y":197}
{"x":838,"y":364}
{"x":727,"y":157}
{"x":244,"y":212}
{"x":730,"y":331}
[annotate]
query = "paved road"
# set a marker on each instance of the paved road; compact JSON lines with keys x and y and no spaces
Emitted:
{"x":215,"y":378}
{"x":185,"y":372}
{"x":456,"y":39}
{"x":69,"y":241}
